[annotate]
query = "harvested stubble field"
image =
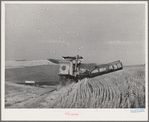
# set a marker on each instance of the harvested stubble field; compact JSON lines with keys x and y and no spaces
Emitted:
{"x":122,"y":89}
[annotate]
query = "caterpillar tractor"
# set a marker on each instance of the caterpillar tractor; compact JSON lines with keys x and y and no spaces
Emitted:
{"x":72,"y":68}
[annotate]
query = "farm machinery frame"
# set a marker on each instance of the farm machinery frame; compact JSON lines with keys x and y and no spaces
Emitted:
{"x":72,"y":68}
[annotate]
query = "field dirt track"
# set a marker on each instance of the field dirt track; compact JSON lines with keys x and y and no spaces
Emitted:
{"x":121,"y":89}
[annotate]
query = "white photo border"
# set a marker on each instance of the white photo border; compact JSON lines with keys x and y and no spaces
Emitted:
{"x":60,"y":114}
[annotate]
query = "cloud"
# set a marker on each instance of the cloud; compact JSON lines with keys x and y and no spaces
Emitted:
{"x":123,"y":42}
{"x":56,"y":42}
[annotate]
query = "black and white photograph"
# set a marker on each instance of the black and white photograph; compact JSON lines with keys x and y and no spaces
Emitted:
{"x":75,"y":56}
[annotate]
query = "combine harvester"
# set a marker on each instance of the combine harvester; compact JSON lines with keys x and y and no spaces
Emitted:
{"x":72,"y":68}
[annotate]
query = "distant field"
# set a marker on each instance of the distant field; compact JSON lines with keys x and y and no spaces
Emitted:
{"x":17,"y":64}
{"x":40,"y":72}
{"x":121,"y":89}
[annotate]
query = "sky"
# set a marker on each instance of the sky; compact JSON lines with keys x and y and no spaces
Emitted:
{"x":100,"y":33}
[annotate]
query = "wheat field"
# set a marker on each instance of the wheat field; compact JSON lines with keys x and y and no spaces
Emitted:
{"x":122,"y":89}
